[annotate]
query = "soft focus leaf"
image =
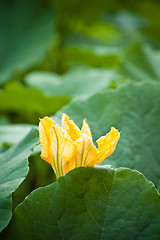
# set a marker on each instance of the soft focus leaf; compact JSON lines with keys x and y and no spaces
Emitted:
{"x":95,"y":55}
{"x":30,"y":104}
{"x":79,"y":81}
{"x":26,"y":30}
{"x":4,"y":120}
{"x":127,"y":21}
{"x":13,"y":170}
{"x":141,"y":62}
{"x":127,"y":15}
{"x":90,"y":203}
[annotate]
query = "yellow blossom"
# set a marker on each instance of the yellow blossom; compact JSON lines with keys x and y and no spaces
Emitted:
{"x":68,"y":147}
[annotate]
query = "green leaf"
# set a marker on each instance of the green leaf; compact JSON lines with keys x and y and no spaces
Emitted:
{"x":134,"y":110}
{"x":14,"y":168}
{"x":12,"y":134}
{"x":91,"y":203}
{"x":4,"y":120}
{"x":93,"y":55}
{"x":96,"y":33}
{"x":141,"y":62}
{"x":125,"y":15}
{"x":79,"y":81}
{"x":30,"y":104}
{"x":126,"y":21}
{"x":26,"y":30}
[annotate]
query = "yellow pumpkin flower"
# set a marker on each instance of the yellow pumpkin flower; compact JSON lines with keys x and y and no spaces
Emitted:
{"x":68,"y":147}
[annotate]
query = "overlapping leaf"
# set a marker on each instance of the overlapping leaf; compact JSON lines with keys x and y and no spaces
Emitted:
{"x":141,"y":62}
{"x":134,"y":110}
{"x":94,"y":55}
{"x":90,"y":203}
{"x":30,"y":104}
{"x":14,"y":168}
{"x":12,"y":134}
{"x":79,"y":81}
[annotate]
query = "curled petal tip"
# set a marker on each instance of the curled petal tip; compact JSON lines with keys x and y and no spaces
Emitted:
{"x":86,"y":129}
{"x":107,"y":144}
{"x":71,"y":128}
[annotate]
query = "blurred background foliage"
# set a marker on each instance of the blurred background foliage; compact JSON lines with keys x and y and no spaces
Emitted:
{"x":53,"y":51}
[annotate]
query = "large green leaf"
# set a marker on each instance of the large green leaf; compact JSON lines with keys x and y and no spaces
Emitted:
{"x":26,"y":30}
{"x":14,"y":168}
{"x":30,"y":104}
{"x":91,"y":203}
{"x":134,"y":110}
{"x":79,"y":81}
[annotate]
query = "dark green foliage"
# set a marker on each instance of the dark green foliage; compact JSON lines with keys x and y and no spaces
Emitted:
{"x":98,"y":60}
{"x":91,"y":203}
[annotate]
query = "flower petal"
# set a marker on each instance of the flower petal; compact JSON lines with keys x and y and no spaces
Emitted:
{"x":56,"y":148}
{"x":85,"y":129}
{"x":45,"y":138}
{"x":63,"y":150}
{"x":86,"y":151}
{"x":72,"y":129}
{"x":107,"y":145}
